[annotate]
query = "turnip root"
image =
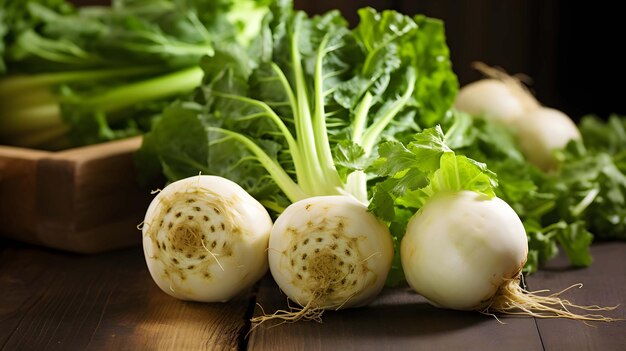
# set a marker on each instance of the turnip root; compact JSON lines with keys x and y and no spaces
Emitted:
{"x":328,"y":252}
{"x":541,"y":132}
{"x":466,"y":251}
{"x":503,"y":98}
{"x":491,"y":99}
{"x":205,"y":239}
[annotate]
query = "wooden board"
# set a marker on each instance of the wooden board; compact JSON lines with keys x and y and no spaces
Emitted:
{"x":18,"y":198}
{"x":56,"y":301}
{"x":604,"y":283}
{"x":83,"y":200}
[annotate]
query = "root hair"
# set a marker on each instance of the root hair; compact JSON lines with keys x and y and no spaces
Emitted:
{"x":512,"y":299}
{"x":514,"y":83}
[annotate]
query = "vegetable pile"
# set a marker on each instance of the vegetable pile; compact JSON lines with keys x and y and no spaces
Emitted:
{"x":567,"y":184}
{"x":298,"y":117}
{"x":300,"y":113}
{"x":319,"y":122}
{"x":92,"y":74}
{"x":358,"y":142}
{"x":463,"y":247}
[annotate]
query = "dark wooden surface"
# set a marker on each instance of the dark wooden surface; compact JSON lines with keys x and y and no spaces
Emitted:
{"x":57,"y":301}
{"x":604,"y":283}
{"x":397,"y":320}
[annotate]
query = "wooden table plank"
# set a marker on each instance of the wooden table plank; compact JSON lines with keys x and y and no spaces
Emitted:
{"x":22,"y":284}
{"x":604,"y":283}
{"x":397,"y":320}
{"x":56,"y":301}
{"x":52,"y":300}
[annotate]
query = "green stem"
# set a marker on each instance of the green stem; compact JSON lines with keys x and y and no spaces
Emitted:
{"x":373,"y":132}
{"x":282,"y":179}
{"x":585,"y":202}
{"x":37,"y":96}
{"x":173,"y":48}
{"x":148,"y":90}
{"x":30,"y":119}
{"x":272,"y":206}
{"x":360,"y":118}
{"x":14,"y":83}
{"x":300,"y":166}
{"x":356,"y":185}
{"x":304,"y":127}
{"x":325,"y":156}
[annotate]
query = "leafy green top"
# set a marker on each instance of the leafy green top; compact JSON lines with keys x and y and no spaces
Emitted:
{"x":301,"y":112}
{"x":415,"y":172}
{"x":106,"y":72}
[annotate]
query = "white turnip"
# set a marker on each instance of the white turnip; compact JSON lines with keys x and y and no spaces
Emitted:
{"x":540,"y":131}
{"x":205,"y":239}
{"x":328,"y":252}
{"x":466,"y":251}
{"x":490,"y":99}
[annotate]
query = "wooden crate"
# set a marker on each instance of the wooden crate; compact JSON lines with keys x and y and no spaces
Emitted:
{"x":84,"y":200}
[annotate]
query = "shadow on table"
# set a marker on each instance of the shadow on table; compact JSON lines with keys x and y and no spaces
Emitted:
{"x":396,"y":312}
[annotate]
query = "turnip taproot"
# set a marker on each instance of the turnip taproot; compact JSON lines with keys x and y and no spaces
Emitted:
{"x":205,"y":239}
{"x":328,"y":252}
{"x":465,"y":251}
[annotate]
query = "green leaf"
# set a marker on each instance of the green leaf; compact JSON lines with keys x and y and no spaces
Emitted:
{"x":114,"y":61}
{"x":428,"y":147}
{"x":424,"y":168}
{"x":179,"y":157}
{"x":437,"y":85}
{"x":349,"y":157}
{"x":575,"y":240}
{"x":608,"y":136}
{"x":394,"y":157}
{"x":311,"y":100}
{"x":397,"y":227}
{"x":541,"y":243}
{"x":18,"y":16}
{"x":379,"y":36}
{"x":382,"y":203}
{"x":591,"y":186}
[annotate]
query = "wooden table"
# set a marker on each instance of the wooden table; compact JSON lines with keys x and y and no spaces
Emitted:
{"x":57,"y":301}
